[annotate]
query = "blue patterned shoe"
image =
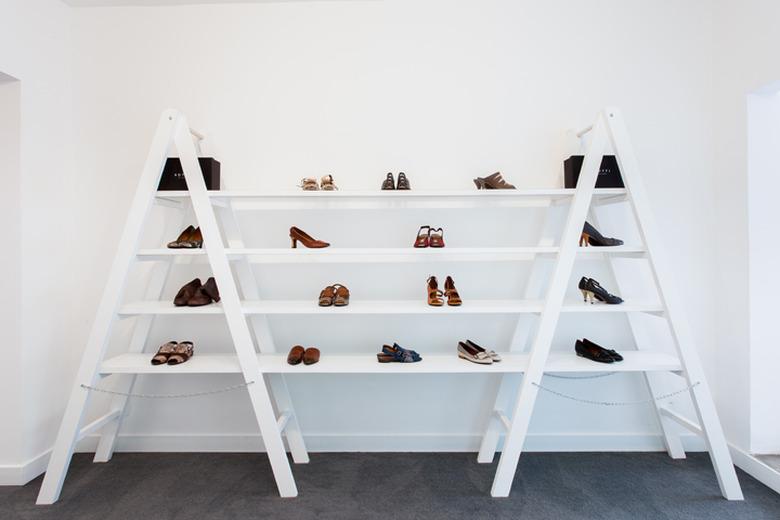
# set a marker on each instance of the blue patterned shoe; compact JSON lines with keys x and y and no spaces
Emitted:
{"x":397,"y":354}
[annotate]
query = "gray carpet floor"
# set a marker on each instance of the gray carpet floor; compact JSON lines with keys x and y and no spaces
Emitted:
{"x":207,"y":486}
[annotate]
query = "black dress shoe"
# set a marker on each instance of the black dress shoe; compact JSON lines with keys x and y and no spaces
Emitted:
{"x":614,"y":354}
{"x":591,"y":237}
{"x":389,"y":182}
{"x":592,"y":290}
{"x":593,"y":352}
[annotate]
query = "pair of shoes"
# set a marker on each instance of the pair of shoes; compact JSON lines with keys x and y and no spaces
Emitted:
{"x":389,"y":182}
{"x":297,"y":354}
{"x":173,"y":353}
{"x":397,"y":354}
{"x":326,"y":183}
{"x":493,"y":182}
{"x":591,"y":237}
{"x":196,"y":295}
{"x":298,"y":235}
{"x":470,"y":351}
{"x":335,"y":295}
{"x":592,"y":290}
{"x":436,"y":297}
{"x":587,"y":349}
{"x":428,"y":236}
{"x":190,"y":238}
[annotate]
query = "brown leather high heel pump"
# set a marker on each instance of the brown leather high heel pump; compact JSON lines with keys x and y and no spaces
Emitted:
{"x":298,"y":235}
{"x":434,"y":294}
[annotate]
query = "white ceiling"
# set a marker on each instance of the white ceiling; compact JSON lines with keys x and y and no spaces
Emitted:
{"x":97,"y":3}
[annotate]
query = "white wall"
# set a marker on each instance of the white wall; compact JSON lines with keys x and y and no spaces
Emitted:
{"x":746,"y":43}
{"x":35,"y":48}
{"x":442,"y":90}
{"x":763,"y":186}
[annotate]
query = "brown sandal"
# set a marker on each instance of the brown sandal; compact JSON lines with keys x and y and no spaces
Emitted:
{"x":296,"y":355}
{"x":327,"y":295}
{"x":181,"y":353}
{"x":163,"y":353}
{"x":341,"y":296}
{"x":434,"y":294}
{"x":453,"y":298}
{"x":309,"y":184}
{"x":311,"y":355}
{"x":327,"y":183}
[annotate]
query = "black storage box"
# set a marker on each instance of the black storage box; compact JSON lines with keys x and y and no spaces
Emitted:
{"x":173,"y":174}
{"x":609,"y":173}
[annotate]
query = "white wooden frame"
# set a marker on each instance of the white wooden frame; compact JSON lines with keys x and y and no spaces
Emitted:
{"x":520,"y":374}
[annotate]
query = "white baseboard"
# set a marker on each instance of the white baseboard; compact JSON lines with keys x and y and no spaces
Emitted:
{"x":21,"y":474}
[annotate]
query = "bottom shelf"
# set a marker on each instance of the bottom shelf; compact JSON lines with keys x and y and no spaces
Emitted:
{"x":635,"y":361}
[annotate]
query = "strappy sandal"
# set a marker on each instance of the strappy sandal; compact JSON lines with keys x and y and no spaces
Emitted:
{"x":453,"y":298}
{"x":327,"y":183}
{"x":163,"y":353}
{"x":389,"y":182}
{"x":435,"y":296}
{"x":403,"y":182}
{"x":341,"y":296}
{"x":437,"y":237}
{"x":423,"y":237}
{"x":181,"y":353}
{"x":397,"y":354}
{"x":327,"y":295}
{"x":309,"y":184}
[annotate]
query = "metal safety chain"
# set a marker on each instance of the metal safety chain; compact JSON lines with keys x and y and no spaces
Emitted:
{"x":592,"y":376}
{"x":168,"y":396}
{"x":618,"y":403}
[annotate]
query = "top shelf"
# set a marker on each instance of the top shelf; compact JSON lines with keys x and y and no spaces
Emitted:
{"x":357,"y":199}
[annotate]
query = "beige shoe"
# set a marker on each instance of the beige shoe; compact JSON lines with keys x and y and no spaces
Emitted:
{"x":327,"y":183}
{"x":309,"y":184}
{"x":471,"y":354}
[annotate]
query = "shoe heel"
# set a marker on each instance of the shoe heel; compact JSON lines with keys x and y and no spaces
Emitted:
{"x":480,"y":183}
{"x":294,"y":243}
{"x":587,"y":295}
{"x":584,"y":240}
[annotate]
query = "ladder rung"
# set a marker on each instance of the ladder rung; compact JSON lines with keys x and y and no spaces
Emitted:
{"x":99,"y":423}
{"x":682,"y":421}
{"x":282,"y":421}
{"x":503,"y":418}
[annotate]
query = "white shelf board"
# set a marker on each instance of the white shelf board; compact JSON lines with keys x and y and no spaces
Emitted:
{"x":558,"y":362}
{"x":366,"y":307}
{"x":387,"y":254}
{"x":376,"y":199}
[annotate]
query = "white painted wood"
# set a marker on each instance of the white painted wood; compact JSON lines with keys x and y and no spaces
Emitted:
{"x":672,"y":441}
{"x":239,"y":330}
{"x":100,"y":422}
{"x":548,"y":321}
{"x":558,"y":362}
{"x":154,"y":289}
{"x":682,"y":421}
{"x":104,"y":319}
{"x":678,"y":323}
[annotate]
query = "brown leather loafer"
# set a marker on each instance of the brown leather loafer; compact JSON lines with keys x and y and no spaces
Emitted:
{"x":296,"y":355}
{"x":298,"y":235}
{"x":310,"y":356}
{"x":186,"y":293}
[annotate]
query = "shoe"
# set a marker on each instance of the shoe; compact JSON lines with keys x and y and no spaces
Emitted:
{"x":327,"y":295}
{"x":205,"y":294}
{"x":389,"y":182}
{"x":403,"y":182}
{"x":495,"y":357}
{"x":591,"y":237}
{"x":297,"y":235}
{"x":423,"y":237}
{"x":327,"y":183}
{"x":311,"y":355}
{"x":396,"y":353}
{"x":434,"y":294}
{"x":340,"y":296}
{"x":181,"y":352}
{"x":163,"y":353}
{"x":493,"y":182}
{"x":593,"y":352}
{"x":469,"y":353}
{"x":453,"y":298}
{"x":193,"y":241}
{"x":615,"y":356}
{"x":436,"y":237}
{"x":183,"y":237}
{"x":186,"y":292}
{"x":309,"y":184}
{"x":592,"y":289}
{"x":296,"y":355}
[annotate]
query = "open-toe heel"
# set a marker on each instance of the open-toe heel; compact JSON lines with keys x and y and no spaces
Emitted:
{"x":435,"y":296}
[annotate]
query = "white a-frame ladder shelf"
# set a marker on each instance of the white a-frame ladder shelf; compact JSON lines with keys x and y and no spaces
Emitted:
{"x":521,"y":371}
